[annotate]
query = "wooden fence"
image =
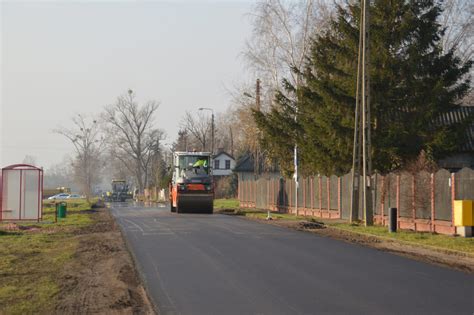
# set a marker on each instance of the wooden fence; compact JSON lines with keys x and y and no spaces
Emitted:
{"x":424,"y":200}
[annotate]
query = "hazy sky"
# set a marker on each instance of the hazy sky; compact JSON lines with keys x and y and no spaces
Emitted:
{"x":61,"y":58}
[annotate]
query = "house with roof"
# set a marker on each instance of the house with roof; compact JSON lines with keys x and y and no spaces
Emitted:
{"x":223,"y":164}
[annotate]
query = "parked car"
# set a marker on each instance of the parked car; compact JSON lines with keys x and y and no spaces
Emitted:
{"x":59,"y":196}
{"x":74,"y":196}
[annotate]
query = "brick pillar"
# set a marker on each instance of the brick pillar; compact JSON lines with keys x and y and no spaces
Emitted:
{"x":339,"y":197}
{"x":398,"y":201}
{"x":382,"y":202}
{"x":284,"y":194}
{"x":328,"y":188}
{"x":413,"y":201}
{"x":320,"y":187}
{"x":304,"y":195}
{"x":432,"y":225}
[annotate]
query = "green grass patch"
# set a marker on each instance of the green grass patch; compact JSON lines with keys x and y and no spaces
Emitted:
{"x":441,"y":241}
{"x":226,"y":204}
{"x":31,"y":258}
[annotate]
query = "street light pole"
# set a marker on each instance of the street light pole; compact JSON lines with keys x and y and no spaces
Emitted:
{"x":212,"y":127}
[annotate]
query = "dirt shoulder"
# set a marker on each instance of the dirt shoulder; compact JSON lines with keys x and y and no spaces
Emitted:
{"x":438,"y":256}
{"x":101,"y":278}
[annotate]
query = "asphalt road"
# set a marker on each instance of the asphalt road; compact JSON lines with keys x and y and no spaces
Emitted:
{"x":217,"y":264}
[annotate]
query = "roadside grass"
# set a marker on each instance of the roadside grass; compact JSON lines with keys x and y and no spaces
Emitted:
{"x":428,"y":239}
{"x":32,"y":255}
{"x":226,"y":204}
{"x":431,"y":240}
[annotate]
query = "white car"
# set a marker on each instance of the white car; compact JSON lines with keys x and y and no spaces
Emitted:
{"x":59,"y":196}
{"x":74,"y":196}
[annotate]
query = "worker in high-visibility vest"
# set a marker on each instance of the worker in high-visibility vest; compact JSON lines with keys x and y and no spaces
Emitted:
{"x":200,"y":165}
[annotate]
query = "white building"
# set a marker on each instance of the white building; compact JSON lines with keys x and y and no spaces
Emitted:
{"x":224,"y":163}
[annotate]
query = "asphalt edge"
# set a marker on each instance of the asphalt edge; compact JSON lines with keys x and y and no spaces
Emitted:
{"x":138,"y":269}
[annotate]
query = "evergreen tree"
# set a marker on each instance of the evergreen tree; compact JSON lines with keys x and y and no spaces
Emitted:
{"x":412,"y":82}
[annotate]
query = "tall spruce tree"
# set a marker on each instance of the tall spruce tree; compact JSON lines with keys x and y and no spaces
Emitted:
{"x":413,"y":84}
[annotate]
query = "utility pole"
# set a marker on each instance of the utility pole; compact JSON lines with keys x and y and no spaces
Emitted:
{"x":257,"y":161}
{"x":362,"y":162}
{"x":295,"y":154}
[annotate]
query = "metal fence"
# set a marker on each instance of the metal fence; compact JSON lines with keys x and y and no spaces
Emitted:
{"x":424,"y":200}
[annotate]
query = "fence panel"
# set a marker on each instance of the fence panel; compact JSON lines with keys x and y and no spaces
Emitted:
{"x":307,"y":192}
{"x":423,"y":195}
{"x":377,"y":179}
{"x":346,"y":186}
{"x":464,"y":189}
{"x":273,"y":192}
{"x":261,"y":193}
{"x":386,"y":193}
{"x":301,"y":186}
{"x":316,"y":194}
{"x":333,"y":190}
{"x":406,"y":195}
{"x":289,"y":192}
{"x":443,"y":205}
{"x":280,"y":193}
{"x":324,"y":192}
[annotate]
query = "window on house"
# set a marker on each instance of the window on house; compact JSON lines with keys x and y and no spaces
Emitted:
{"x":227,"y":164}
{"x":216,"y":164}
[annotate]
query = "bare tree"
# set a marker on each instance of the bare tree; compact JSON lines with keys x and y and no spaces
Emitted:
{"x":281,"y":38}
{"x":198,"y":126}
{"x":225,"y":130}
{"x":85,"y":135}
{"x":181,"y":143}
{"x":458,"y":20}
{"x":279,"y":44}
{"x":132,"y":137}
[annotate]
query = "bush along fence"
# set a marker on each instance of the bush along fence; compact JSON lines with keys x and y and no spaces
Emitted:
{"x":425,"y":201}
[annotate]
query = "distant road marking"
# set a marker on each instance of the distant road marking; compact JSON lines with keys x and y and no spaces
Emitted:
{"x":129,"y":221}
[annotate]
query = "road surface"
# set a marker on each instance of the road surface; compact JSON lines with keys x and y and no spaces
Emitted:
{"x":217,"y":264}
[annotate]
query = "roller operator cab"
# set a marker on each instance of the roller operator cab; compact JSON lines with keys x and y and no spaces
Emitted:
{"x":191,"y":187}
{"x":120,"y":191}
